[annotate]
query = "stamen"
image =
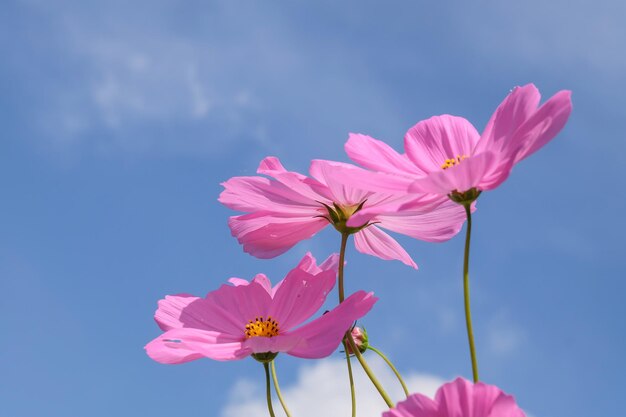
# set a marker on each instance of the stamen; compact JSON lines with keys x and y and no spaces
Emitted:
{"x":453,"y":161}
{"x":262,"y":327}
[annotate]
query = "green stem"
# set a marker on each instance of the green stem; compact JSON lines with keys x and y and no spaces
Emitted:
{"x":342,"y":257}
{"x":342,"y":260}
{"x":277,"y":387}
{"x":352,"y":391}
{"x":268,"y":390}
{"x":368,"y":371}
{"x":466,"y":293}
{"x":393,"y":368}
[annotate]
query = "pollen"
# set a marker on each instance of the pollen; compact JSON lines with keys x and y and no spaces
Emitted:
{"x":261,"y":327}
{"x":453,"y":161}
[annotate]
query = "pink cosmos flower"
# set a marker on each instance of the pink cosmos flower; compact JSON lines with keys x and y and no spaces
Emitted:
{"x":460,"y":398}
{"x":289,"y":207}
{"x":447,"y":156}
{"x":254,"y":318}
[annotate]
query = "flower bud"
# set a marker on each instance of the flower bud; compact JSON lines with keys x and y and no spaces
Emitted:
{"x":359,"y":336}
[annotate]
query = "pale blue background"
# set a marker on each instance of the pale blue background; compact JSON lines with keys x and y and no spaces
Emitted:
{"x":120,"y":120}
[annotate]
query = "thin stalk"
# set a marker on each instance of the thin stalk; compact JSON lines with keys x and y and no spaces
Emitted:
{"x":342,"y":257}
{"x":352,"y":390}
{"x":268,"y":390}
{"x":393,"y":368}
{"x":277,"y":388}
{"x":466,"y":294}
{"x":368,"y":371}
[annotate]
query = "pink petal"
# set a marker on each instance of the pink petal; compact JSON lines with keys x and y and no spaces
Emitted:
{"x":438,"y":224}
{"x":297,"y":182}
{"x":238,"y":305}
{"x":260,"y":279}
{"x":257,"y":193}
{"x":266,"y":235}
{"x":321,"y":337}
{"x":183,"y":345}
{"x":544,"y":125}
{"x":378,"y":156}
{"x":280,"y":343}
{"x":468,"y":174}
{"x":373,"y":241}
{"x":417,"y":405}
{"x":465,"y":399}
{"x":178,"y":311}
{"x":300,"y":295}
{"x":340,"y":179}
{"x":169,"y":311}
{"x":431,"y":142}
{"x":514,"y":110}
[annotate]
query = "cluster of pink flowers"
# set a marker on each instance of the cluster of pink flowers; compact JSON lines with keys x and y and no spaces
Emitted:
{"x":426,"y":193}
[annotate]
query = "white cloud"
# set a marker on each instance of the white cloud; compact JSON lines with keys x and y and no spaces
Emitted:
{"x":322,"y":389}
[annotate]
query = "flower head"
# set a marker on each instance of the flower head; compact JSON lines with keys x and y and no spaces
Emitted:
{"x":445,"y":155}
{"x":361,"y":341}
{"x":254,"y":318}
{"x":289,"y":207}
{"x":459,"y":398}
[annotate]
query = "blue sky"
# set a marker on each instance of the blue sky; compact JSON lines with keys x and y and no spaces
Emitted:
{"x":120,"y":120}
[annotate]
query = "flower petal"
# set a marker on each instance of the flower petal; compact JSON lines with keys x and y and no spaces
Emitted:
{"x":437,"y":224}
{"x":417,"y":405}
{"x":239,"y":305}
{"x":378,"y":156}
{"x":341,"y":181}
{"x":544,"y":125}
{"x":321,"y":337}
{"x":267,"y":235}
{"x":431,"y":142}
{"x":373,"y":241}
{"x":463,"y":177}
{"x":295,"y":181}
{"x":258,"y":193}
{"x":300,"y":295}
{"x":514,"y":110}
{"x":183,"y":345}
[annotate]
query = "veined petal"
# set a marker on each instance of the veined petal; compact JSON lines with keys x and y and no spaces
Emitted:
{"x":340,"y":179}
{"x":464,"y":398}
{"x":183,"y":345}
{"x":267,"y":235}
{"x":244,"y":303}
{"x":260,"y":279}
{"x":258,"y":193}
{"x":295,"y":181}
{"x":280,"y":343}
{"x":300,"y":295}
{"x":373,"y":241}
{"x":462,"y":177}
{"x":438,"y":224}
{"x":430,"y":143}
{"x":514,"y":110}
{"x":544,"y":124}
{"x":178,"y":311}
{"x":417,"y":405}
{"x":321,"y":337}
{"x":378,"y":156}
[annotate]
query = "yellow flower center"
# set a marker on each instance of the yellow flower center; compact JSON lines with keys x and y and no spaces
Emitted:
{"x":261,"y":327}
{"x":453,"y":161}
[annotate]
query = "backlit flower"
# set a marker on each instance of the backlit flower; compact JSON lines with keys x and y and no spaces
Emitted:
{"x":254,"y":318}
{"x":445,"y":155}
{"x":289,"y":207}
{"x":460,"y":398}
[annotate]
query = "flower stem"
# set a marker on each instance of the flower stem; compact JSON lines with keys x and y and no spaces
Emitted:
{"x":369,"y":371}
{"x":348,"y":336}
{"x":466,"y":293}
{"x":268,"y":390}
{"x":342,"y":257}
{"x":342,"y":260}
{"x":393,"y":368}
{"x":352,"y":391}
{"x":277,"y":388}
